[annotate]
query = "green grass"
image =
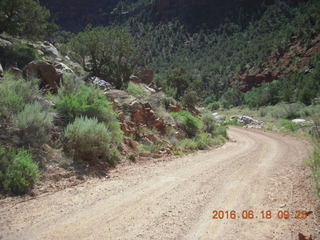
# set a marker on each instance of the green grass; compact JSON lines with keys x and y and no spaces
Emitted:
{"x":133,"y":89}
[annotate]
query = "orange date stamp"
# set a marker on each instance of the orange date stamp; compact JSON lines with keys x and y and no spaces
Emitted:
{"x":265,"y":214}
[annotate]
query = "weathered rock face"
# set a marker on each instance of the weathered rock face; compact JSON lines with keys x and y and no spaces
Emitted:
{"x":50,"y":50}
{"x":1,"y":71}
{"x":4,"y":43}
{"x":246,"y":82}
{"x":44,"y":71}
{"x":142,"y":114}
{"x":143,"y":76}
{"x":62,"y":68}
{"x":277,"y":67}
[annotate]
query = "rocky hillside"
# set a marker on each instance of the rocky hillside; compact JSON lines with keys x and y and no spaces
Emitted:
{"x":64,"y":122}
{"x":295,"y":57}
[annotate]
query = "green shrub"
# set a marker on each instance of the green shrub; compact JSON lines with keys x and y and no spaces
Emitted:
{"x":34,"y":125}
{"x":203,"y":141}
{"x":315,"y":164}
{"x":181,"y":83}
{"x":25,"y":18}
{"x":15,"y":93}
{"x":167,"y":101}
{"x":17,"y":55}
{"x":88,"y":140}
{"x":221,"y":131}
{"x":263,"y":112}
{"x":190,"y":99}
{"x":190,"y":124}
{"x":213,"y":106}
{"x":187,"y":144}
{"x":232,"y":97}
{"x":109,"y":53}
{"x":134,"y":89}
{"x":267,"y":94}
{"x":208,"y":123}
{"x":289,"y":125}
{"x":287,"y":111}
{"x":70,"y":83}
{"x":18,"y":173}
{"x":86,"y":101}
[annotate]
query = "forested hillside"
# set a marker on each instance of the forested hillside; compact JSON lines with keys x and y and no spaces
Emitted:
{"x":214,"y":61}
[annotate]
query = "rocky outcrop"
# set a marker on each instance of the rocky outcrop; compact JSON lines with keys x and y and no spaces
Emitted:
{"x":250,"y":122}
{"x":277,"y":67}
{"x":46,"y":72}
{"x":142,"y":114}
{"x":99,"y":82}
{"x":49,"y":50}
{"x":246,"y":82}
{"x":62,"y":68}
{"x":4,"y":43}
{"x":143,"y":76}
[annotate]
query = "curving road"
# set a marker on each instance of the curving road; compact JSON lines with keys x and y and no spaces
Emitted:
{"x":174,"y":199}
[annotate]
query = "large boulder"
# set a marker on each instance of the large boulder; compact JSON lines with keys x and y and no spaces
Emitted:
{"x":247,"y":120}
{"x":250,"y":122}
{"x":143,"y":76}
{"x":4,"y":43}
{"x":49,"y":50}
{"x":100,"y":83}
{"x":62,"y":68}
{"x":46,"y":72}
{"x":1,"y":71}
{"x":301,"y":122}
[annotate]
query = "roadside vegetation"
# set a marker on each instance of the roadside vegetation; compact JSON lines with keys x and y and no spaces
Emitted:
{"x":82,"y":123}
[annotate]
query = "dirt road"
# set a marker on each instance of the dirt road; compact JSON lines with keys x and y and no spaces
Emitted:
{"x":175,"y":199}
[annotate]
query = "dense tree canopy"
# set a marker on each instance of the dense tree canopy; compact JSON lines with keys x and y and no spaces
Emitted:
{"x":105,"y":52}
{"x":24,"y":18}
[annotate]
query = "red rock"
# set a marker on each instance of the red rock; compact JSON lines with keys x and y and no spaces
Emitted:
{"x":144,"y":76}
{"x":44,"y":71}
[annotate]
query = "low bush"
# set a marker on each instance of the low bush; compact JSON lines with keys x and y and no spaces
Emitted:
{"x":315,"y":164}
{"x":15,"y":93}
{"x":221,"y":131}
{"x":208,"y":123}
{"x":88,"y":140}
{"x":187,"y":144}
{"x":213,"y":106}
{"x":167,"y":101}
{"x":190,"y":99}
{"x":289,"y":125}
{"x":288,"y":111}
{"x":34,"y":125}
{"x":190,"y":124}
{"x":86,"y":101}
{"x":17,"y":55}
{"x":18,"y":172}
{"x":204,"y":140}
{"x":133,"y":89}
